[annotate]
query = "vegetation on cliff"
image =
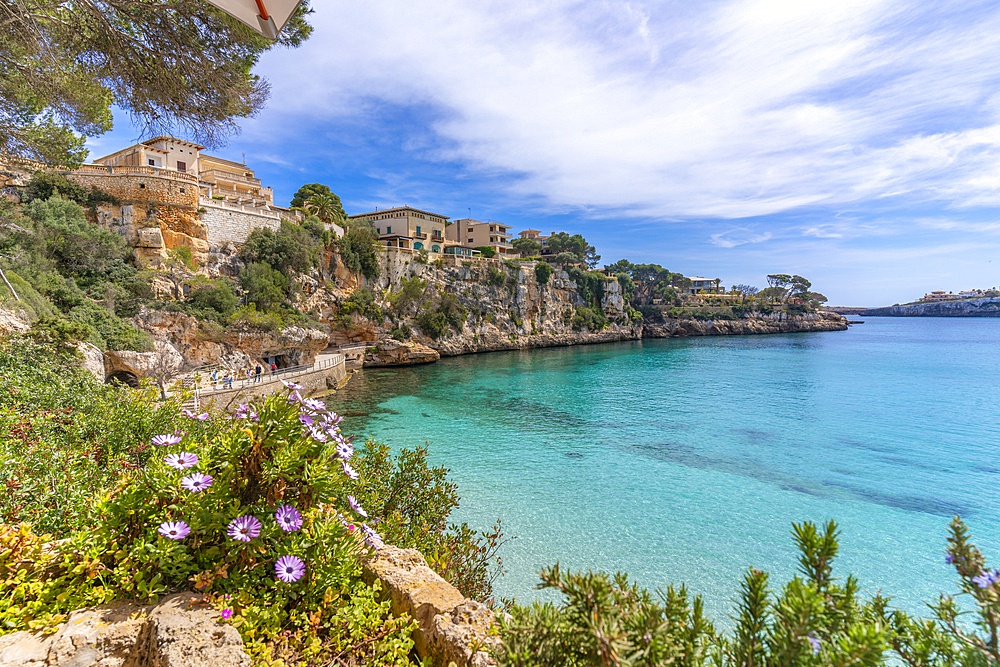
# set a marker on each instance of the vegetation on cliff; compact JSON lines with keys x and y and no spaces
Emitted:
{"x":152,"y":500}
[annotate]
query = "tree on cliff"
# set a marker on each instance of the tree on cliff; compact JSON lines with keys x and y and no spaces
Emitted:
{"x":170,"y":64}
{"x":576,"y":244}
{"x":527,"y":247}
{"x":326,"y":207}
{"x":310,"y":190}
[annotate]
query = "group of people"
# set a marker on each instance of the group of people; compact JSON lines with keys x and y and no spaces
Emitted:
{"x":250,"y":374}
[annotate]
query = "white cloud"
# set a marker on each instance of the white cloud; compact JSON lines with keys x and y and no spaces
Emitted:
{"x":734,"y":237}
{"x":727,"y":109}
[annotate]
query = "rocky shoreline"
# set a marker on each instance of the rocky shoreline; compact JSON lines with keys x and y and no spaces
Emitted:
{"x":988,"y":307}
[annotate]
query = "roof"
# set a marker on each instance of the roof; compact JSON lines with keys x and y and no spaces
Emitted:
{"x":164,"y":137}
{"x":398,"y":208}
{"x":694,"y":278}
{"x":531,"y":231}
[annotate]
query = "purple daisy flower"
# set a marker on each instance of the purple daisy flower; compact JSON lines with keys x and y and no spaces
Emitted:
{"x":244,"y":529}
{"x":349,"y":471}
{"x":306,"y":419}
{"x":313,"y":404}
{"x":197,"y":482}
{"x":372,"y":538}
{"x":190,"y":415}
{"x":292,"y":385}
{"x":345,"y":450}
{"x":356,"y":507}
{"x":986,"y":578}
{"x":227,"y":614}
{"x":181,"y":461}
{"x":294,"y":397}
{"x":289,"y":518}
{"x":175,"y":530}
{"x":318,"y":434}
{"x":245,"y":411}
{"x":814,"y":642}
{"x":166,"y":440}
{"x":289,"y":569}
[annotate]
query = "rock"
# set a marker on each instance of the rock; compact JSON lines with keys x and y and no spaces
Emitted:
{"x":150,"y":237}
{"x":186,"y":636}
{"x":93,"y":360}
{"x":107,"y":636}
{"x":13,"y":321}
{"x":25,"y":649}
{"x":126,"y":634}
{"x":390,"y":352}
{"x":144,"y":364}
{"x":450,"y":627}
{"x":985,"y":307}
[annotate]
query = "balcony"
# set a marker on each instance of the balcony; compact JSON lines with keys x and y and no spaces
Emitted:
{"x":419,"y":235}
{"x":217,"y":175}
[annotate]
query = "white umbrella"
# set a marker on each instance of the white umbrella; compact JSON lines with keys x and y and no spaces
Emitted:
{"x":267,"y":20}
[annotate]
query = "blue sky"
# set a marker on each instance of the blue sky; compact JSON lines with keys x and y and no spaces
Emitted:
{"x":855,"y":143}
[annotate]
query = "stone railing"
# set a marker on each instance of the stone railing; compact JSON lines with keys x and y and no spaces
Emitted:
{"x":215,"y":175}
{"x":133,"y":170}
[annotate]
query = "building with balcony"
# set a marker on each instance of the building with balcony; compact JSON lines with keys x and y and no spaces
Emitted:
{"x":233,"y":182}
{"x":159,"y":153}
{"x":706,"y":285}
{"x":407,"y":227}
{"x":477,"y":234}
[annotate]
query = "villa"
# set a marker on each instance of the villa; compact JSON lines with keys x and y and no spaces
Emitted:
{"x":407,"y":227}
{"x":477,"y":234}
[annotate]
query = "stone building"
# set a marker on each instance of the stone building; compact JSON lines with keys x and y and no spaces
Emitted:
{"x":476,"y":234}
{"x":408,"y":228}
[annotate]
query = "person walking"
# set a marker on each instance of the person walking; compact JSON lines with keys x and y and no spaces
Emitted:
{"x":257,"y":376}
{"x":215,"y":378}
{"x":274,"y":369}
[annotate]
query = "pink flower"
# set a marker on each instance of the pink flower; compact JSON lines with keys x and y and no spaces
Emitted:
{"x":190,"y":415}
{"x":227,"y":614}
{"x":244,"y":529}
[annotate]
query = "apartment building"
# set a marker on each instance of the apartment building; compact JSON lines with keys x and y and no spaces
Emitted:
{"x":475,"y":234}
{"x":407,"y":227}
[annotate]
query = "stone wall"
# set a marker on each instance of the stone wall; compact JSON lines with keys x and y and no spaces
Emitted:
{"x":129,"y":187}
{"x":321,"y":380}
{"x":226,"y":225}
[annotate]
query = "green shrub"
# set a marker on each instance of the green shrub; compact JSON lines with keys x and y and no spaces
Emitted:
{"x":652,"y":314}
{"x":264,"y":286}
{"x":358,"y":248}
{"x":592,"y":319}
{"x":543,"y":271}
{"x":249,"y":317}
{"x":408,"y":292}
{"x":291,"y":249}
{"x":108,"y":331}
{"x":487,"y":251}
{"x":432,"y":323}
{"x":494,"y":277}
{"x":43,"y":185}
{"x":362,"y":301}
{"x":213,"y":299}
{"x":31,"y":303}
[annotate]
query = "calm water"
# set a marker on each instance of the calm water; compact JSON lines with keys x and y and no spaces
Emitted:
{"x":687,"y":460}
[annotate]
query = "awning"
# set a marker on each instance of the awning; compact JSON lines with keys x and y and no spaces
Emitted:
{"x":267,"y":17}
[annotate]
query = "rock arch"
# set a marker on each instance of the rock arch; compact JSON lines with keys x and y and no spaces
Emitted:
{"x":122,"y":378}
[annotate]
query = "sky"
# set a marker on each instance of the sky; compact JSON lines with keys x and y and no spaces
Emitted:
{"x":855,"y":143}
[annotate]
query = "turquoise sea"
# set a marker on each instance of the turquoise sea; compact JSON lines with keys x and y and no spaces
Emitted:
{"x":687,"y":460}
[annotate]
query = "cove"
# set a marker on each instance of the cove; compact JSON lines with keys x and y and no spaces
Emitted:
{"x":687,"y":460}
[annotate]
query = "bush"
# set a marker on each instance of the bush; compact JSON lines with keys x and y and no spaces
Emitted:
{"x":487,"y":251}
{"x":409,"y":292}
{"x":44,"y":185}
{"x":652,"y":314}
{"x":358,"y":248}
{"x":290,"y":249}
{"x":249,"y":317}
{"x":432,"y":323}
{"x":543,"y":271}
{"x":213,"y":300}
{"x":362,"y":301}
{"x":264,"y":286}
{"x":108,"y":331}
{"x":591,"y":319}
{"x":494,"y":277}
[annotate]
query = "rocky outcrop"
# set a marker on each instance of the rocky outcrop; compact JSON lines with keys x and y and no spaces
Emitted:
{"x":93,"y":360}
{"x":756,"y":324}
{"x":13,"y":321}
{"x":173,"y":633}
{"x":451,"y":627}
{"x":989,"y":307}
{"x":200,"y":343}
{"x":391,"y":352}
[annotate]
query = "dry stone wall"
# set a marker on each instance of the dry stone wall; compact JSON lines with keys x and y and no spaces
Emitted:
{"x":160,"y":188}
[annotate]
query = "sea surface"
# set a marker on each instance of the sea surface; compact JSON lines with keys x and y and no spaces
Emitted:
{"x":687,"y":460}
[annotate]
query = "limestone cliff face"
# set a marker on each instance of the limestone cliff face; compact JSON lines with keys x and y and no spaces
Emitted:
{"x":989,"y":307}
{"x":758,"y":323}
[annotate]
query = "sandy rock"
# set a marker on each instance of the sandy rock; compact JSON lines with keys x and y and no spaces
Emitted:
{"x":13,"y":321}
{"x":93,"y":360}
{"x":463,"y":636}
{"x":143,"y":364}
{"x":391,"y":352}
{"x":414,"y":589}
{"x":107,"y":636}
{"x":182,"y":635}
{"x":25,"y":649}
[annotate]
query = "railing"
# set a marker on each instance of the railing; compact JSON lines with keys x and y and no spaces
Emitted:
{"x":130,"y":169}
{"x":218,"y":175}
{"x":239,"y":194}
{"x":222,"y":203}
{"x":266,"y":377}
{"x":420,"y":235}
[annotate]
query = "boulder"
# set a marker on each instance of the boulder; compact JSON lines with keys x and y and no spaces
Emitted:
{"x":451,"y":628}
{"x":93,"y":360}
{"x":174,"y":633}
{"x":392,"y":352}
{"x":13,"y":321}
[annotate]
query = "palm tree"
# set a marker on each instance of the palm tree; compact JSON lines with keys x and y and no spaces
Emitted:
{"x":324,"y":207}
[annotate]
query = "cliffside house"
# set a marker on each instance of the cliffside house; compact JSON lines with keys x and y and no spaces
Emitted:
{"x":940,"y":295}
{"x":533,"y":234}
{"x":706,"y":285}
{"x":476,"y":234}
{"x":218,"y":180}
{"x":407,"y":227}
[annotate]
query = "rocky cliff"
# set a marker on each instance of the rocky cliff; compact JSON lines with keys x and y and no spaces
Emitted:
{"x":989,"y":307}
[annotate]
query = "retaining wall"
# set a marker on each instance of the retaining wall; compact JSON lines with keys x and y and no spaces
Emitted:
{"x":323,"y":379}
{"x":138,"y":186}
{"x":227,"y":225}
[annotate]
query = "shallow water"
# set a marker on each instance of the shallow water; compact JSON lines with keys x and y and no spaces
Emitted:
{"x":687,"y":460}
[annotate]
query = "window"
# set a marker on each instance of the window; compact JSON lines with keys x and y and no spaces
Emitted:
{"x":182,"y":190}
{"x":181,"y":166}
{"x":378,"y":229}
{"x":388,"y":230}
{"x":418,"y":246}
{"x":418,"y":229}
{"x":435,"y":248}
{"x":142,"y":186}
{"x":152,"y":163}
